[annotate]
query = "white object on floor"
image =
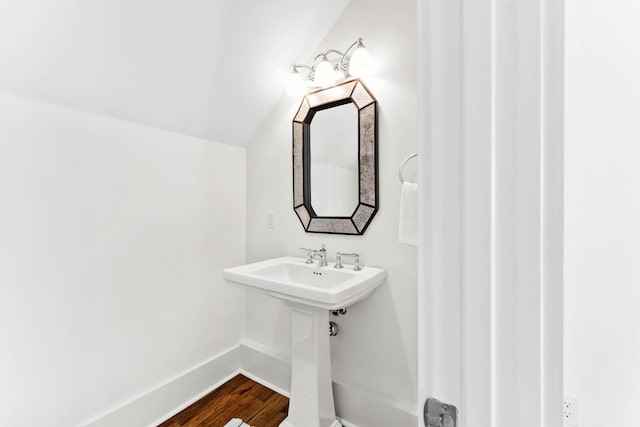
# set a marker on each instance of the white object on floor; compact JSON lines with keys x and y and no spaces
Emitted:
{"x":236,"y":422}
{"x":408,"y":227}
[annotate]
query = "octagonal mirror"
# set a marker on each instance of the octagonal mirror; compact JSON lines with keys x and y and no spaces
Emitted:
{"x":335,"y":159}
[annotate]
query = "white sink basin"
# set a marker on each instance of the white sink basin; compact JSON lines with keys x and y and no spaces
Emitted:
{"x":291,"y":279}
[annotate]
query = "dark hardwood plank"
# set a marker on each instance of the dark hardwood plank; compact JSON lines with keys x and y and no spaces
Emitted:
{"x":238,"y":406}
{"x":195,"y":408}
{"x":272,"y":413}
{"x":239,"y":397}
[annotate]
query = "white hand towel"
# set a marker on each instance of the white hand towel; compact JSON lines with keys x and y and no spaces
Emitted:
{"x":408,"y":227}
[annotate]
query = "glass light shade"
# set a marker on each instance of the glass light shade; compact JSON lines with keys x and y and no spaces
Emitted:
{"x":323,"y":75}
{"x":360,"y":62}
{"x":295,"y":84}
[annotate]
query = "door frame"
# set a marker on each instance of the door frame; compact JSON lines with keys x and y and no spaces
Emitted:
{"x":491,"y":130}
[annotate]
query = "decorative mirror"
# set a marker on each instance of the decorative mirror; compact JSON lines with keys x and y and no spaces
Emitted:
{"x":335,"y":159}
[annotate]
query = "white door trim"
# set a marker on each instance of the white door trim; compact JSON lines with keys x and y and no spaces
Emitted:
{"x":491,"y":117}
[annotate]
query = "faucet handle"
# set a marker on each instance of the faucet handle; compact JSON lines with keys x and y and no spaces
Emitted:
{"x":338,"y":260}
{"x":355,"y":256}
{"x":357,"y":266}
{"x":309,"y":255}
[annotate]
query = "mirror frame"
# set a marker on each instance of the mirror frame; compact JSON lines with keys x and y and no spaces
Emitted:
{"x":352,"y":91}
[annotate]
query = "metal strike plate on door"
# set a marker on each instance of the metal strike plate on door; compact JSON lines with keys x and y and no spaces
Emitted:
{"x":438,"y":414}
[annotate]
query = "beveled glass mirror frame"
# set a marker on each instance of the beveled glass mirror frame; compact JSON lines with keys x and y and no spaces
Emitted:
{"x":352,"y":91}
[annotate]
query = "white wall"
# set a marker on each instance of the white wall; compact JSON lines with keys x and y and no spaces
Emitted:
{"x":377,"y":345}
{"x":112,"y":239}
{"x":602,"y":222}
{"x":164,"y":66}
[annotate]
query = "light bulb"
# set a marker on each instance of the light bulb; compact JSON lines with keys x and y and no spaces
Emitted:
{"x":360,"y":61}
{"x":295,"y":83}
{"x":323,"y":75}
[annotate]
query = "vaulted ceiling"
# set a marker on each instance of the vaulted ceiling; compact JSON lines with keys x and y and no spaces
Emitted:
{"x":207,"y":68}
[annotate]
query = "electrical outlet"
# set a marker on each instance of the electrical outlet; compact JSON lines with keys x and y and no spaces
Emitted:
{"x":571,"y":410}
{"x":271,"y":219}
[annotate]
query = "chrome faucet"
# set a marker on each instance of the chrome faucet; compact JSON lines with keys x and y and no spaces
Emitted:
{"x":319,"y":253}
{"x":356,"y":259}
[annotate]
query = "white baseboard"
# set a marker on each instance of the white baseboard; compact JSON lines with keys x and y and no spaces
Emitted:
{"x":266,"y":366}
{"x":356,"y":405}
{"x":159,"y":403}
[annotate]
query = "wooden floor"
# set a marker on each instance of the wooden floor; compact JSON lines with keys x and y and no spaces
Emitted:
{"x":240,"y":397}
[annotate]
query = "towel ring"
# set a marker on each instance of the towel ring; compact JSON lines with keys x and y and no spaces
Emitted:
{"x":404,"y":162}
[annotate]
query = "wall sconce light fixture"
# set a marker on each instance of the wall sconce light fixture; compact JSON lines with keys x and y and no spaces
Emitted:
{"x":325,"y":72}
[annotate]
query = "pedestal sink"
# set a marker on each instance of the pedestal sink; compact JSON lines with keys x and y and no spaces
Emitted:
{"x":311,"y":291}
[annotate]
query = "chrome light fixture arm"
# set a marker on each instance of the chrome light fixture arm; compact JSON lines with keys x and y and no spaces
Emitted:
{"x":326,"y":53}
{"x":294,"y":69}
{"x":340,"y":65}
{"x":344,"y":66}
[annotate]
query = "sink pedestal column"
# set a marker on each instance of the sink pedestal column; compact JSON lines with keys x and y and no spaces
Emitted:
{"x":311,"y":402}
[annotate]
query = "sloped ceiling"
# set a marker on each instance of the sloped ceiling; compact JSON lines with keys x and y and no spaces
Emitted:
{"x":207,"y":68}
